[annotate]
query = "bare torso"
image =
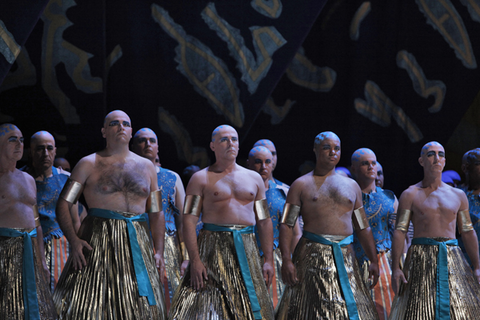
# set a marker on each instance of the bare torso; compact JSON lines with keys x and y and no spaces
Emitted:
{"x":228,"y":197}
{"x":116,"y":182}
{"x":17,"y":198}
{"x":434,"y":212}
{"x":326,"y":202}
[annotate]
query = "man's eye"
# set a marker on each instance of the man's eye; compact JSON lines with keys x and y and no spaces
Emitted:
{"x":114,"y":123}
{"x":126,"y":124}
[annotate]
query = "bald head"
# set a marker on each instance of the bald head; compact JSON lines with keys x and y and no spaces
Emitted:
{"x":325,"y":135}
{"x":357,"y":155}
{"x":220,"y":128}
{"x":41,"y":135}
{"x":429,"y":146}
{"x":270,"y":146}
{"x":42,"y":150}
{"x":260,"y":159}
{"x":11,"y":142}
{"x":145,"y":144}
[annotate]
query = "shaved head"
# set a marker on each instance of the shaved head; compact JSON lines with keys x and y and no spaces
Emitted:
{"x":325,"y":135}
{"x":40,"y":135}
{"x":217,"y":129}
{"x":428,"y":145}
{"x":360,"y":152}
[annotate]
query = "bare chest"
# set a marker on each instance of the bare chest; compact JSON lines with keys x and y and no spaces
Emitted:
{"x":231,"y":188}
{"x":128,"y":178}
{"x":439,"y":202}
{"x":15,"y":190}
{"x":329,"y":193}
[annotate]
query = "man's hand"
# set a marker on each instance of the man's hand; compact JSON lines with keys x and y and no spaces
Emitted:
{"x":373,"y":274}
{"x":397,"y":276}
{"x":289,"y":273}
{"x":197,"y":274}
{"x":268,"y":274}
{"x":160,"y":264}
{"x":184,"y":266}
{"x":76,"y":253}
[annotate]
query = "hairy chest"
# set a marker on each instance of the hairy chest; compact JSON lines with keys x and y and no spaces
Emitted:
{"x":128,"y":178}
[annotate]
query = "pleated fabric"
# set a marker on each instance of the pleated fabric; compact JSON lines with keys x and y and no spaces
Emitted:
{"x":107,"y":287}
{"x":11,"y":282}
{"x":382,"y":294}
{"x":318,"y":294}
{"x":224,"y":295}
{"x":417,"y":299}
{"x":173,"y":261}
{"x":277,"y":288}
{"x":56,"y":255}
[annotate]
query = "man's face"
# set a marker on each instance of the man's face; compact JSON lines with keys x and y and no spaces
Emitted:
{"x":273,"y":151}
{"x":262,"y":162}
{"x":145,"y":144}
{"x":433,"y":158}
{"x":11,"y":142}
{"x":380,"y":177}
{"x":43,"y":151}
{"x":473,"y":166}
{"x":366,"y":167}
{"x":328,"y":152}
{"x":225,"y":144}
{"x":117,"y":127}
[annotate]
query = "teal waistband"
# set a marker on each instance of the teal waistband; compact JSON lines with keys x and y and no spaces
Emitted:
{"x":442,"y":305}
{"x":29,"y":286}
{"x":143,"y":281}
{"x":242,"y":260}
{"x":342,"y":272}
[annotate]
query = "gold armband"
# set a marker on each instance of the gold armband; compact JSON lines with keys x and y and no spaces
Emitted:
{"x":71,"y":191}
{"x":290,"y":214}
{"x":403,"y":220}
{"x":154,"y":201}
{"x":193,"y":205}
{"x":464,"y":221}
{"x":361,"y":218}
{"x":261,"y":209}
{"x":36,"y":216}
{"x":183,"y":248}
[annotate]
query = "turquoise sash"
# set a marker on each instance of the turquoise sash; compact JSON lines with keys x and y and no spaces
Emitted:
{"x":242,"y":260}
{"x":29,"y":286}
{"x":442,"y":304}
{"x":342,"y":272}
{"x":143,"y":281}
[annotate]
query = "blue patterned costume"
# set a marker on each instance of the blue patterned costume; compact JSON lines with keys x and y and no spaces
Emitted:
{"x":474,"y":209}
{"x":380,"y":210}
{"x":166,"y":180}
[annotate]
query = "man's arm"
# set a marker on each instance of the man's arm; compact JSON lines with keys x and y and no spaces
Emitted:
{"x":289,"y":273}
{"x":157,"y":225}
{"x":405,"y":203}
{"x":470,"y":239}
{"x":64,"y":218}
{"x":179,"y":199}
{"x":197,"y":269}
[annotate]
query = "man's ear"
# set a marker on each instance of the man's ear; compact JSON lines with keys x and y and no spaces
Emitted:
{"x":212,"y":147}
{"x":420,"y":160}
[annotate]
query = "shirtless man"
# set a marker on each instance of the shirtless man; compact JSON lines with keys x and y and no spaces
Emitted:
{"x":434,"y":260}
{"x":260,"y":159}
{"x":331,"y":206}
{"x":380,"y":205}
{"x":49,"y":182}
{"x":20,"y":251}
{"x":145,"y":144}
{"x":113,"y":242}
{"x":225,"y":261}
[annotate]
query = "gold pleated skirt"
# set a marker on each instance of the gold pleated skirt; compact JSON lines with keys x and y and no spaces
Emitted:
{"x":11,"y":282}
{"x":318,"y":294}
{"x":173,"y":261}
{"x":56,"y":255}
{"x":107,"y":287}
{"x":277,"y":288}
{"x":224,"y":295}
{"x":416,"y":299}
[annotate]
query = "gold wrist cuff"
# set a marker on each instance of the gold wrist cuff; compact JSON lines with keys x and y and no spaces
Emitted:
{"x":193,"y":205}
{"x":261,"y":209}
{"x":71,"y":191}
{"x":403,"y":220}
{"x":464,"y":222}
{"x":290,"y":214}
{"x":154,"y":201}
{"x":184,"y":251}
{"x":36,"y":215}
{"x":361,"y":218}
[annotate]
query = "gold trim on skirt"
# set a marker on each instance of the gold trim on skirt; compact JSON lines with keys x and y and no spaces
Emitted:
{"x":224,"y":295}
{"x":11,"y":284}
{"x":417,"y":299}
{"x":318,"y":294}
{"x":107,"y":287}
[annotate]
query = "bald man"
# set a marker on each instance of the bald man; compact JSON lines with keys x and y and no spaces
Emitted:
{"x":271,"y":146}
{"x":380,"y":205}
{"x":112,"y":271}
{"x":436,"y":281}
{"x":50,"y":182}
{"x":323,"y":277}
{"x":380,"y":179}
{"x":260,"y":159}
{"x":471,"y":169}
{"x":145,"y":144}
{"x":225,"y":278}
{"x":24,"y":290}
